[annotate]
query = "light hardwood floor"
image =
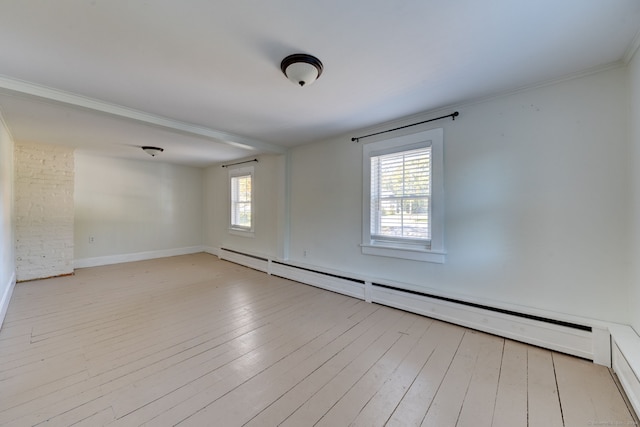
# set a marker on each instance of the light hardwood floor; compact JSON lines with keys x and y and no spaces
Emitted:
{"x":196,"y":341}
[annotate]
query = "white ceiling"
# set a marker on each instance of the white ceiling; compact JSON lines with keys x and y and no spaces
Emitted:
{"x":202,"y":78}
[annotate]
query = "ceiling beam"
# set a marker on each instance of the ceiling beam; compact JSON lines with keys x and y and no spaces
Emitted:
{"x":20,"y":87}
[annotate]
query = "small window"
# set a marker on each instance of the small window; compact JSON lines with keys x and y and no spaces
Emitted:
{"x":403,"y":197}
{"x":241,"y":183}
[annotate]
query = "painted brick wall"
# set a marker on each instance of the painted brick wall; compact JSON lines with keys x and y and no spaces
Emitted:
{"x":44,"y":210}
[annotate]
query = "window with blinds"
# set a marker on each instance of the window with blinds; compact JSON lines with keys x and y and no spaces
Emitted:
{"x":241,"y":202}
{"x":403,"y":197}
{"x":400,"y":196}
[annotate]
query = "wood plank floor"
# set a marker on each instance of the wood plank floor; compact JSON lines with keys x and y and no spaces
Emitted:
{"x":195,"y":341}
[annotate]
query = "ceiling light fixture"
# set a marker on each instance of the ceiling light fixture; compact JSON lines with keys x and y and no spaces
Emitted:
{"x":152,"y":151}
{"x":301,"y":69}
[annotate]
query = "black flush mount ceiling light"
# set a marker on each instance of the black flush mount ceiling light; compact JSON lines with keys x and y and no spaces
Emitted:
{"x":152,"y":151}
{"x":301,"y":69}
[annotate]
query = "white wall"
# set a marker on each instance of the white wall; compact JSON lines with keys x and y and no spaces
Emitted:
{"x":131,"y":206}
{"x":268,"y":212}
{"x":537,"y":190}
{"x":7,"y":252}
{"x":634,"y":137}
{"x":43,"y":210}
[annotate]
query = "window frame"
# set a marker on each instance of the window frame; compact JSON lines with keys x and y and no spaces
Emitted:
{"x":239,"y":172}
{"x":407,"y":248}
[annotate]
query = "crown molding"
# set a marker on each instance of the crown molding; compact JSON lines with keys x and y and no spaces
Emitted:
{"x":20,"y":87}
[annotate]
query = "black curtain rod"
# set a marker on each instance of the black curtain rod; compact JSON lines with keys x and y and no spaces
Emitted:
{"x":452,"y":115}
{"x":239,"y":163}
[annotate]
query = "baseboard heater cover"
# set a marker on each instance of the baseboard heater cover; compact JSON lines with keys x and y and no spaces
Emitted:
{"x":577,"y":342}
{"x":494,"y":309}
{"x":568,"y":337}
{"x":320,"y":272}
{"x":245,"y":254}
{"x":248,"y":260}
{"x":626,"y":363}
{"x":329,"y":281}
{"x":626,"y":376}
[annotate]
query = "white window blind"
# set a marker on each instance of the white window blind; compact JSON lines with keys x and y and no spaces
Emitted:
{"x":401,"y":196}
{"x":241,"y":198}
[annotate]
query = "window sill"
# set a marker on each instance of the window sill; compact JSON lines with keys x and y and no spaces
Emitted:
{"x":243,"y":233}
{"x":413,"y":254}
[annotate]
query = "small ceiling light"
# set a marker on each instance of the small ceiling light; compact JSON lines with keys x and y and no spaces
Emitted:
{"x":152,"y":151}
{"x":301,"y":69}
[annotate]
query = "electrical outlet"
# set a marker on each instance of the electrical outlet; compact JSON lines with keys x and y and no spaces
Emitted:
{"x":91,"y":239}
{"x":305,"y":253}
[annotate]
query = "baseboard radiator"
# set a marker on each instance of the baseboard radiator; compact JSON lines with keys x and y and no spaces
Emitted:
{"x":626,"y":361}
{"x":588,"y":341}
{"x":251,"y":261}
{"x":332,"y":282}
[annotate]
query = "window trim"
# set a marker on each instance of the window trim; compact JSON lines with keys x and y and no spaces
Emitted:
{"x":407,"y":250}
{"x":236,"y":173}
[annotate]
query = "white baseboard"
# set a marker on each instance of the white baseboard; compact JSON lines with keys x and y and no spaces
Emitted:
{"x":138,"y":256}
{"x":6,"y":297}
{"x":626,"y":361}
